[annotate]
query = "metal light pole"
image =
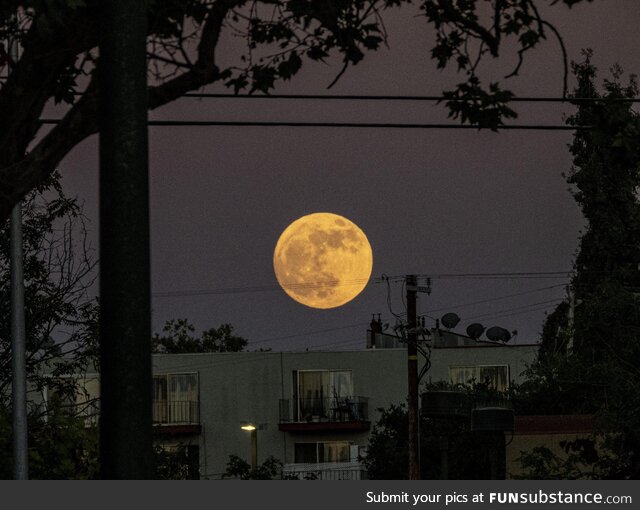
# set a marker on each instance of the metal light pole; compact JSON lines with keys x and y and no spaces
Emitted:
{"x":253,"y":429}
{"x":18,"y":348}
{"x":125,"y":289}
{"x":254,"y":449}
{"x":18,"y":336}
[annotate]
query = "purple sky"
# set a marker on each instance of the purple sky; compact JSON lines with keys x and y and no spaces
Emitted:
{"x":430,"y":201}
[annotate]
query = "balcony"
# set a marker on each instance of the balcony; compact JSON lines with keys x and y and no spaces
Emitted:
{"x":177,"y":417}
{"x":325,"y":471}
{"x":324,"y":414}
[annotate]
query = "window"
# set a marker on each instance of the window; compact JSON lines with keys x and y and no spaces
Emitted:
{"x":496,"y":376}
{"x":175,"y":398}
{"x":331,"y":451}
{"x":316,"y":392}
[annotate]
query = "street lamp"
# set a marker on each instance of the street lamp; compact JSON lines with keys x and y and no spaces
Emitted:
{"x":250,"y":427}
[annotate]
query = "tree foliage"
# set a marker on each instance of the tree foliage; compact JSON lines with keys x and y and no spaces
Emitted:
{"x":178,"y":338}
{"x":180,"y":462}
{"x":60,"y":313}
{"x":387,"y":455}
{"x":588,"y":363}
{"x":598,"y":457}
{"x":58,"y":57}
{"x":237,"y":467}
{"x":61,"y":326}
{"x":61,"y":447}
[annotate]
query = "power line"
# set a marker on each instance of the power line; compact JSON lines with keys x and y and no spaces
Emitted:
{"x":470,"y":303}
{"x":538,"y":309}
{"x":386,"y":97}
{"x":389,"y":97}
{"x":359,"y":281}
{"x":365,"y":125}
{"x":507,"y":310}
{"x":339,"y":343}
{"x":260,"y":288}
{"x":517,"y":274}
{"x":315,"y":332}
{"x":251,"y":356}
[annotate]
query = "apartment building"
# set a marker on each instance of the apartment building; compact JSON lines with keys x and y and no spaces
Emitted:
{"x":314,"y":411}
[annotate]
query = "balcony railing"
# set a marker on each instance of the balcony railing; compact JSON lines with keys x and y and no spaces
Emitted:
{"x":325,"y":471}
{"x":334,"y":409}
{"x":178,"y":412}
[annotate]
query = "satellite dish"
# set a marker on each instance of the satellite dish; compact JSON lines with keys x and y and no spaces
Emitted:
{"x":498,"y":334}
{"x":450,"y":320}
{"x":475,"y":330}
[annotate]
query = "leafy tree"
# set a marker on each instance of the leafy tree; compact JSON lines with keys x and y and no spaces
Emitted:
{"x":178,"y":463}
{"x":239,"y":468}
{"x":60,"y":313}
{"x":387,"y":455}
{"x":59,"y":41}
{"x":599,"y":457}
{"x":178,"y":338}
{"x":587,"y":364}
{"x":61,"y":334}
{"x":62,"y":447}
{"x":605,"y":177}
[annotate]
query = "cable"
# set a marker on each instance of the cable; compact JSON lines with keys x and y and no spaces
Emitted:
{"x":497,"y":298}
{"x":316,"y":332}
{"x":252,"y":355}
{"x":387,"y":97}
{"x":501,"y":276}
{"x":340,"y":343}
{"x":259,"y":288}
{"x":557,"y":300}
{"x":385,"y":278}
{"x":539,"y":309}
{"x":524,"y":309}
{"x":383,"y":125}
{"x":352,"y":97}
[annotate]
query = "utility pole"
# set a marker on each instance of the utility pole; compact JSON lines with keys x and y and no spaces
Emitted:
{"x":125,"y":290}
{"x":18,"y":333}
{"x":412,"y":370}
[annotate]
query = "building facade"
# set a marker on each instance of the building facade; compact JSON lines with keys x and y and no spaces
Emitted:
{"x":313,"y":411}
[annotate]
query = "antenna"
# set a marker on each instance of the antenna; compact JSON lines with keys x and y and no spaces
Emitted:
{"x":475,"y":330}
{"x":498,"y":334}
{"x":450,"y":320}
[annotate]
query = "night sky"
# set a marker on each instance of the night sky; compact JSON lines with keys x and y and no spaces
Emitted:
{"x":430,"y":201}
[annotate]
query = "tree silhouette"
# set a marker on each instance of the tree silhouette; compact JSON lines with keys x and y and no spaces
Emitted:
{"x":59,"y":38}
{"x":178,"y":338}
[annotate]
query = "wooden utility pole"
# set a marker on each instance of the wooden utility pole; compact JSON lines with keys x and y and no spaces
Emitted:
{"x":125,"y":290}
{"x":412,"y":370}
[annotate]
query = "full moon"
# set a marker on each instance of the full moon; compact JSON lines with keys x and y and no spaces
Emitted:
{"x":323,"y":260}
